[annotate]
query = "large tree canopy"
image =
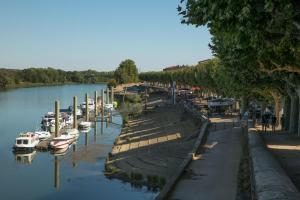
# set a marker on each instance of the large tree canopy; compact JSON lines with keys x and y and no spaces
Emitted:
{"x":126,"y":72}
{"x":265,"y":33}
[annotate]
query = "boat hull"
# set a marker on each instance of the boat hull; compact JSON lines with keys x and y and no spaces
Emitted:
{"x":23,"y":149}
{"x":62,"y":144}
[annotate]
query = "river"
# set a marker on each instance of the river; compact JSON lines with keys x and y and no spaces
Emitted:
{"x":76,"y":175}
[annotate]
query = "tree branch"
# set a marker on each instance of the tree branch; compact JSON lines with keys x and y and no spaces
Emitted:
{"x":279,"y":68}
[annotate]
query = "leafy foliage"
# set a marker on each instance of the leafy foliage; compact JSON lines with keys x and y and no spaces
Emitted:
{"x":13,"y":77}
{"x":126,"y":72}
{"x":250,"y":34}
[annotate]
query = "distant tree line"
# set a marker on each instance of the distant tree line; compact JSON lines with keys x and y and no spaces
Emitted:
{"x":10,"y":78}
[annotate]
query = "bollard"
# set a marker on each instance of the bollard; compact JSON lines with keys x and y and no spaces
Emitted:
{"x":56,"y":118}
{"x":86,"y":107}
{"x":75,"y":112}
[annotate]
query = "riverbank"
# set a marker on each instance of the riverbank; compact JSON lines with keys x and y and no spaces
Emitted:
{"x":151,"y":147}
{"x":121,"y":87}
{"x":31,"y":85}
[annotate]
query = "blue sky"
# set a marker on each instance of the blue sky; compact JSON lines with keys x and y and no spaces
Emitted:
{"x":97,"y":34}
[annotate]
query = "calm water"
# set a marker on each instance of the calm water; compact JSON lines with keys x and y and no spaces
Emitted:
{"x":76,"y":175}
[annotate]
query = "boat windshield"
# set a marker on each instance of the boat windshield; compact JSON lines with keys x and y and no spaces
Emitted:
{"x":22,"y":141}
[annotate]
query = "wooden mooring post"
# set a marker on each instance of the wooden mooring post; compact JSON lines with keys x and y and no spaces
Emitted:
{"x":74,"y":112}
{"x":112,"y":95}
{"x":56,"y":118}
{"x":107,"y":96}
{"x":86,"y":107}
{"x":102,"y":105}
{"x":96,"y":105}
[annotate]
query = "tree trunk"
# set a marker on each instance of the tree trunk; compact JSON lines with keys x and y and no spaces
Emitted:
{"x":287,"y":112}
{"x":277,"y":103}
{"x":293,"y":127}
{"x":298,"y":93}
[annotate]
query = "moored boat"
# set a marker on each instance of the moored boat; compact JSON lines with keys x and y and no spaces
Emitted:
{"x":26,"y":142}
{"x":43,"y":135}
{"x":62,"y":141}
{"x":84,"y":125}
{"x":109,"y":106}
{"x":91,"y":105}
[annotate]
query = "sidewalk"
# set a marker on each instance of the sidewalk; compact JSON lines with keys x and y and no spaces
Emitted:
{"x":215,"y":174}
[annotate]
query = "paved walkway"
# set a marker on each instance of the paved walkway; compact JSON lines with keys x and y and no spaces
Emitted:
{"x":215,"y":174}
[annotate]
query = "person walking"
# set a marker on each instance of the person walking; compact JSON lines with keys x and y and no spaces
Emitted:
{"x":273,"y":122}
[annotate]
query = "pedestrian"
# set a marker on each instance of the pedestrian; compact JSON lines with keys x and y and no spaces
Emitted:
{"x":273,"y":122}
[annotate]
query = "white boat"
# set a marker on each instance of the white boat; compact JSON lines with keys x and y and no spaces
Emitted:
{"x":84,"y":125}
{"x":79,"y":111}
{"x":91,"y":105}
{"x":63,"y":141}
{"x":67,"y":119}
{"x":48,"y":117}
{"x":51,"y":127}
{"x":43,"y":134}
{"x":109,"y":107}
{"x":26,"y":141}
{"x":48,"y":122}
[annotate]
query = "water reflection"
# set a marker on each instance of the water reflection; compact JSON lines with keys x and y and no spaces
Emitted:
{"x":56,"y":172}
{"x":25,"y":157}
{"x":95,"y":132}
{"x":73,"y":155}
{"x":60,"y":152}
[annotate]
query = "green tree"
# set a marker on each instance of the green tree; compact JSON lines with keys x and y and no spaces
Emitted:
{"x":126,"y":72}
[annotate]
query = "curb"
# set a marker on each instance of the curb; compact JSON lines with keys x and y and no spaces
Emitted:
{"x":174,"y":179}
